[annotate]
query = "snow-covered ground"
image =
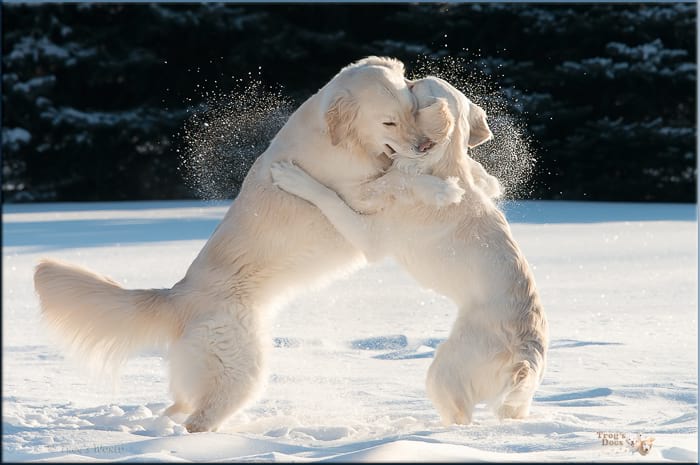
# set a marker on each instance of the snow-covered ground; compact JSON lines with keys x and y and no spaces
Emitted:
{"x":618,"y":281}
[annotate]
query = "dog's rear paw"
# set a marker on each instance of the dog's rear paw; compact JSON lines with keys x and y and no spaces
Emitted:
{"x":197,"y":424}
{"x":516,"y":412}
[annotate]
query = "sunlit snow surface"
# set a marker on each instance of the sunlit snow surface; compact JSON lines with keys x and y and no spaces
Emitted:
{"x":346,"y":379}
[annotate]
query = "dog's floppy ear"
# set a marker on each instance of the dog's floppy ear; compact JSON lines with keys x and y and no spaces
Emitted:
{"x":436,"y":120}
{"x":479,"y":131}
{"x":340,"y":117}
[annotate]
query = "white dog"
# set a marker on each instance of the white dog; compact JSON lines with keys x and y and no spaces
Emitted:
{"x":496,"y":350}
{"x":214,"y":321}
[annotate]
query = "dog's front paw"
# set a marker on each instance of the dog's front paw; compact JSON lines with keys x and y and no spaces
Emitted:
{"x":283,"y":174}
{"x":287,"y":176}
{"x":290,"y":178}
{"x":449,"y":192}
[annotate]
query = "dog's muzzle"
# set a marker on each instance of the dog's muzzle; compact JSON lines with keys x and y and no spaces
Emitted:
{"x":425,"y":146}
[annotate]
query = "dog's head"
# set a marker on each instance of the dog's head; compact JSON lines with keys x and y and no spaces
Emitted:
{"x":470,"y":118}
{"x":370,"y":107}
{"x":454,"y":124}
{"x":440,"y":105}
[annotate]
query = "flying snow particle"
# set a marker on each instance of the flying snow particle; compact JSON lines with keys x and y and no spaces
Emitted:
{"x":226,"y":133}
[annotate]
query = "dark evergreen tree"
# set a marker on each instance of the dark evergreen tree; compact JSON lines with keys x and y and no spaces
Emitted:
{"x":96,"y":96}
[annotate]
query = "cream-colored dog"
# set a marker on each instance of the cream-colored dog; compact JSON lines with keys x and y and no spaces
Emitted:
{"x":496,"y":350}
{"x":270,"y":244}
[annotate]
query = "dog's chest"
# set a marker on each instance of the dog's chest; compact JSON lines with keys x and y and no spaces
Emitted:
{"x":412,"y":227}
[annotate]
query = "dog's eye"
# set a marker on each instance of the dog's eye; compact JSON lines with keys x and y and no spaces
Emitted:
{"x":389,"y":124}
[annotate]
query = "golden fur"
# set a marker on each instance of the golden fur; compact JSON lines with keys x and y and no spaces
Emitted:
{"x":269,"y":245}
{"x":436,"y":217}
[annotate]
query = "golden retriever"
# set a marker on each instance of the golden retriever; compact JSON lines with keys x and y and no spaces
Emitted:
{"x":464,"y":249}
{"x":214,"y":322}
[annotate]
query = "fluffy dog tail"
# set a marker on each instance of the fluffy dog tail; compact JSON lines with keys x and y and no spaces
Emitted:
{"x":100,"y":321}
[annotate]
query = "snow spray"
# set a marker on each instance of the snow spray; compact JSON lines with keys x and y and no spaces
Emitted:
{"x":226,"y":133}
{"x":229,"y":130}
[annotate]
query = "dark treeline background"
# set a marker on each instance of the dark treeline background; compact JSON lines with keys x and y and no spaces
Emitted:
{"x":94,"y":96}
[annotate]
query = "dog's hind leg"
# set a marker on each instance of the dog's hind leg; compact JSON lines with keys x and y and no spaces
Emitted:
{"x":177,"y":407}
{"x":218,"y":367}
{"x":523,"y":376}
{"x":450,"y":399}
{"x":516,"y":403}
{"x":179,"y":370}
{"x":449,"y":385}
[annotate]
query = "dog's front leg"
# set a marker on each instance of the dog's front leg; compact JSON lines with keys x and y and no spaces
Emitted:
{"x":373,"y":196}
{"x":403,"y":187}
{"x":356,"y":228}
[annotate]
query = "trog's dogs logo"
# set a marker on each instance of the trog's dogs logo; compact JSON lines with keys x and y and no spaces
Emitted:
{"x":637,"y":444}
